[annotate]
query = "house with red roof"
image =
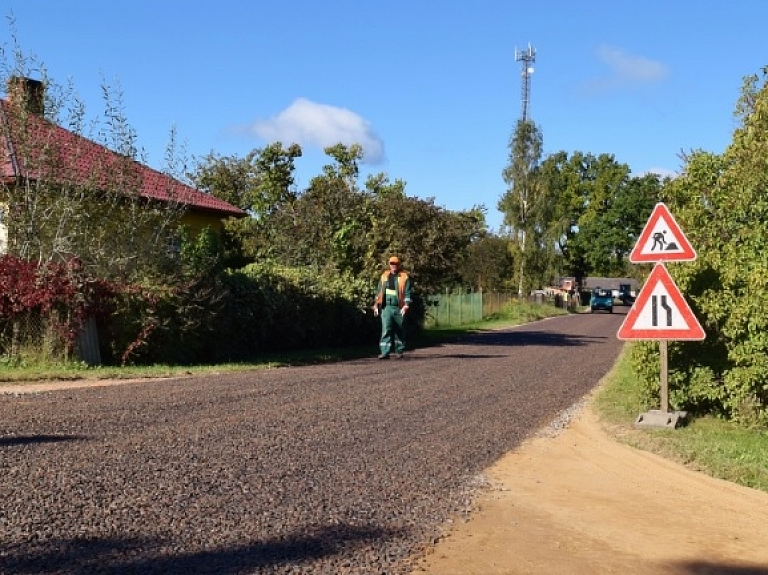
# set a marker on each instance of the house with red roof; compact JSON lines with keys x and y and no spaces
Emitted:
{"x":76,"y":159}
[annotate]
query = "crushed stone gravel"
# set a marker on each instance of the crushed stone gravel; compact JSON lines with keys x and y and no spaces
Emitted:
{"x":346,"y":468}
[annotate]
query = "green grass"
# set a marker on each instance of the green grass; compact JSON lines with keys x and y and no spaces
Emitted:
{"x":714,"y":446}
{"x":21,"y":372}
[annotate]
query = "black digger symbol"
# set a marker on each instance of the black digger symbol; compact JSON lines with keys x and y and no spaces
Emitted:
{"x":661,"y":241}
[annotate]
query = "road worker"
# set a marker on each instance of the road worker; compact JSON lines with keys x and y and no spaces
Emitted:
{"x":393,"y":298}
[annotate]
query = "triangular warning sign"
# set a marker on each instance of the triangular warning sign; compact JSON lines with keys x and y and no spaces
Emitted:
{"x":662,"y":240}
{"x":660,"y":312}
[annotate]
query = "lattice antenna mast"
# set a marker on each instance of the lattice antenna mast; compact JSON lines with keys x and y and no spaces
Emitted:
{"x":527,"y":57}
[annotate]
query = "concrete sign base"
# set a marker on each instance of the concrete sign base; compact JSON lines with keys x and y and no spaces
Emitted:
{"x":657,"y":419}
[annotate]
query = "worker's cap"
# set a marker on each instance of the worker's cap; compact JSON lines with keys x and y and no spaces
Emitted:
{"x":394,"y":260}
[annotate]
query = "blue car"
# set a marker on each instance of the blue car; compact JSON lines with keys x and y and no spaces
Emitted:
{"x":602,"y":299}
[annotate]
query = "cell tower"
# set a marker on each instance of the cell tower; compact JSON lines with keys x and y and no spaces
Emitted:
{"x":527,"y":58}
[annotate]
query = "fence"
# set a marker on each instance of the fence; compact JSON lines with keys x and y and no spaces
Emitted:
{"x":33,"y":337}
{"x":452,"y":309}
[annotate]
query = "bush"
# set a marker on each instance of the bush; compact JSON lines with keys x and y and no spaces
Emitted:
{"x":239,"y":316}
{"x":44,"y":307}
{"x":721,"y":200}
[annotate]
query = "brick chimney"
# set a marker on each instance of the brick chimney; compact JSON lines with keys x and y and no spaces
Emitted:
{"x":28,"y":92}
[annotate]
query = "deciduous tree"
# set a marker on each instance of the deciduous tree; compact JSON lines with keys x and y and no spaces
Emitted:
{"x":523,"y":202}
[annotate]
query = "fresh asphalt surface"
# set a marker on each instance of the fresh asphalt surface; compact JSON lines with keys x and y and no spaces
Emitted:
{"x":351,"y":467}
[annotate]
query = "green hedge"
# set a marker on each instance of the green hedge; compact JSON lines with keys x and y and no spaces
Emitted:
{"x":238,"y":316}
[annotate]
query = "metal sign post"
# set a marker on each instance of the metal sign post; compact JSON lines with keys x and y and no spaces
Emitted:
{"x":664,"y":376}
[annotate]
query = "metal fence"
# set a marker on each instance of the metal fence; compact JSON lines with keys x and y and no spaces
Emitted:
{"x":34,"y":337}
{"x":30,"y":336}
{"x":453,"y":309}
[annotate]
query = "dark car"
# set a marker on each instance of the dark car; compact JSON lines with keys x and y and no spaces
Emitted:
{"x":625,"y":294}
{"x":601,"y":299}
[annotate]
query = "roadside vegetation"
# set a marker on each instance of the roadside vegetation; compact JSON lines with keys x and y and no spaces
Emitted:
{"x":706,"y":443}
{"x":514,"y":313}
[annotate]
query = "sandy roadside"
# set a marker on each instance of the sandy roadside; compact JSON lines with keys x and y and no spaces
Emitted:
{"x":581,"y":503}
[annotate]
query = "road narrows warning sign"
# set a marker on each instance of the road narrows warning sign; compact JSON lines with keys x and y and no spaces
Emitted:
{"x":660,"y":312}
{"x":662,"y":239}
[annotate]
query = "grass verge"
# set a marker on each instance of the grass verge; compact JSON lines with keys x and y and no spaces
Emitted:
{"x":707,"y":444}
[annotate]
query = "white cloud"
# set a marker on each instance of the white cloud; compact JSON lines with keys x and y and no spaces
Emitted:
{"x":626,"y":71}
{"x":663,"y":172}
{"x":631,"y":69}
{"x":311,"y":124}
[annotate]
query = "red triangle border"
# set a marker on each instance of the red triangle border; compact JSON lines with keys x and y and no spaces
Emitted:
{"x":627,"y":331}
{"x":660,"y":210}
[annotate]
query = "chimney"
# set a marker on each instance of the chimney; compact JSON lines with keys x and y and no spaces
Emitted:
{"x":28,"y":92}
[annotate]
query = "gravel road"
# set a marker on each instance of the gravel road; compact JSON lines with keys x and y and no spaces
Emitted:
{"x":352,"y":467}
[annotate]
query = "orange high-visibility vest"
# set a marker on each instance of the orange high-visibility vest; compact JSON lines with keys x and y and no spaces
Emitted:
{"x":401,"y":279}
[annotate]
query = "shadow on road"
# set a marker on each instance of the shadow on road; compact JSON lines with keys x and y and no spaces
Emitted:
{"x":709,"y":568}
{"x":33,"y":439}
{"x":522,"y":337}
{"x":112,"y":556}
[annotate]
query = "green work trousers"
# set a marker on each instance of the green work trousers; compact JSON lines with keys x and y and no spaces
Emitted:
{"x":392,"y":330}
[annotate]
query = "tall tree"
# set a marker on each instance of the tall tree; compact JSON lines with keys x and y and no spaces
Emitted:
{"x":627,"y":216}
{"x":562,"y":182}
{"x":430,"y":239}
{"x":326,"y":225}
{"x":523,"y":201}
{"x":601,"y":180}
{"x":488,"y":263}
{"x":595,"y":210}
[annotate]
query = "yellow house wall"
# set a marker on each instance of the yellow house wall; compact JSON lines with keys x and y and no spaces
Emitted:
{"x":197,"y":221}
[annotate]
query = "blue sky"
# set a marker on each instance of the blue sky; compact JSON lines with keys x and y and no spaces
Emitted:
{"x":431,"y":89}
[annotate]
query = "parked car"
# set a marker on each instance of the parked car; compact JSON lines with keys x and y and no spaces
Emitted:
{"x":602,"y":299}
{"x":625,"y":294}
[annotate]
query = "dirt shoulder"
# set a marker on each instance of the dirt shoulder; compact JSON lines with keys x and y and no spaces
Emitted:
{"x":581,"y":503}
{"x":42,"y":386}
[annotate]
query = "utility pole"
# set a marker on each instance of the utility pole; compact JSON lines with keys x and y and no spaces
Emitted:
{"x":527,"y":57}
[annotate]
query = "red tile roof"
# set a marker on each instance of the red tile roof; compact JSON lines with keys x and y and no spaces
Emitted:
{"x":79,"y":160}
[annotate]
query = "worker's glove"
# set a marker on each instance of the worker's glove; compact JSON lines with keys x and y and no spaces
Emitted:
{"x":375,"y":311}
{"x":404,"y":310}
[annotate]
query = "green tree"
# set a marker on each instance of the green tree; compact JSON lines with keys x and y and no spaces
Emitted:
{"x":262,"y":184}
{"x":431,"y":240}
{"x":523,"y":202}
{"x":327,"y":225}
{"x":562,"y":182}
{"x":602,"y":178}
{"x":627,"y":216}
{"x":596,"y":210}
{"x":488,"y":263}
